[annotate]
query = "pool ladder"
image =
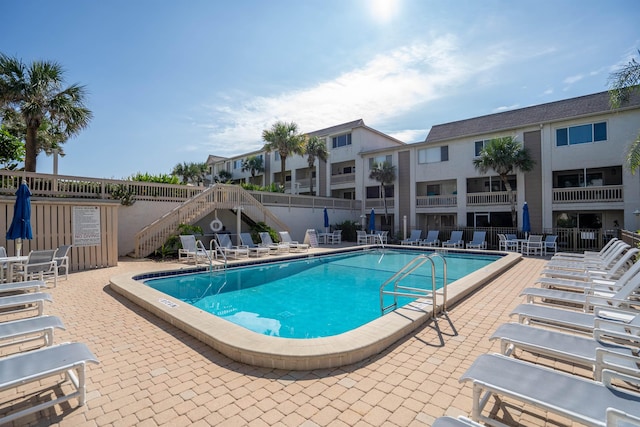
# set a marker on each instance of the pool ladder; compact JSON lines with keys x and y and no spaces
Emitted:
{"x":406,"y":291}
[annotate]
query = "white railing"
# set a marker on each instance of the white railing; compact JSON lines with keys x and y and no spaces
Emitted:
{"x":343,"y":178}
{"x":46,"y":185}
{"x":220,"y":196}
{"x":491,"y":198}
{"x":379,"y":203}
{"x":608,"y":193}
{"x":436,"y":201}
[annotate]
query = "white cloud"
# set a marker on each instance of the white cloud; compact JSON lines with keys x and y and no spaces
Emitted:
{"x":573,"y":79}
{"x":505,"y":108}
{"x":389,"y":85}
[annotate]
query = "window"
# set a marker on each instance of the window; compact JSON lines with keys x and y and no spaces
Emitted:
{"x":276,"y":156}
{"x":341,"y":140}
{"x":479,"y":146}
{"x":237,"y":164}
{"x":581,"y":134}
{"x":433,"y":155}
{"x":379,"y":160}
{"x":373,"y":192}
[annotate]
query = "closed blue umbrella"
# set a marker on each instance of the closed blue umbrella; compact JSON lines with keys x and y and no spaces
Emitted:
{"x":21,"y":223}
{"x":526,"y":222}
{"x":326,"y":221}
{"x":372,"y":221}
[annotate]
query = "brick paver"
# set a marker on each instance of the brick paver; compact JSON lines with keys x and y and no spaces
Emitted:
{"x":152,"y":374}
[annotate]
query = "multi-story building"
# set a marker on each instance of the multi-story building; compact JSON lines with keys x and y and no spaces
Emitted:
{"x":579,"y":178}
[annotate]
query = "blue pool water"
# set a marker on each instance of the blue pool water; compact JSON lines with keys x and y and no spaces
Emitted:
{"x":311,"y":297}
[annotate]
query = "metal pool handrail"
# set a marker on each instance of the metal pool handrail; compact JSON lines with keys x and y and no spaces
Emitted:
{"x":411,"y":292}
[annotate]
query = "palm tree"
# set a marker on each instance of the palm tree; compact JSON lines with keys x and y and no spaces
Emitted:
{"x":253,"y":164}
{"x":385,"y":174}
{"x":315,"y":148}
{"x":505,"y":155}
{"x":622,"y":84}
{"x":190,"y":172}
{"x":284,"y":138}
{"x":36,"y":93}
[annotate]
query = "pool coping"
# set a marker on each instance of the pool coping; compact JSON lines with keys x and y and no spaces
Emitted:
{"x":252,"y":348}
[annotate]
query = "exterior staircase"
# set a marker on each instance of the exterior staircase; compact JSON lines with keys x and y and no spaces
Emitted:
{"x":219,"y":196}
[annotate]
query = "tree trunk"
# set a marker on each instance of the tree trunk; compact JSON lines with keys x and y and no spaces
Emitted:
{"x":283,"y":165}
{"x":30,"y":148}
{"x":512,"y":200}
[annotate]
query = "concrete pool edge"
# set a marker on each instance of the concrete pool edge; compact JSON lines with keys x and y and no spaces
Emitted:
{"x":255,"y":349}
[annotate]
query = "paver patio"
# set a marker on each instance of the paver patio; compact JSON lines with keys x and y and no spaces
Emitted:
{"x":153,"y":374}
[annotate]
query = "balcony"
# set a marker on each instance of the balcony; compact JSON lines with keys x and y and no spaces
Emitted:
{"x":379,"y":204}
{"x":344,"y":178}
{"x":446,"y":200}
{"x":491,"y":198}
{"x":599,"y":194}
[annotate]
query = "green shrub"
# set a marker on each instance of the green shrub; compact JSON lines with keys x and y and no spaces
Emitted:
{"x":261,"y":227}
{"x":348,"y":230}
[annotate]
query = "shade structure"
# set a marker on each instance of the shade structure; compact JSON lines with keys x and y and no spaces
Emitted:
{"x":526,"y":222}
{"x":20,"y":227}
{"x":372,"y":221}
{"x":326,"y":221}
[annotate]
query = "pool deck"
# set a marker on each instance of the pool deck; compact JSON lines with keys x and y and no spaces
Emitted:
{"x":153,"y":374}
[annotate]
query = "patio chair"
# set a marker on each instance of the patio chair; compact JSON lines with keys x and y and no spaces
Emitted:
{"x":585,"y":301}
{"x":604,"y":262}
{"x":569,"y":348}
{"x":275,"y":248}
{"x":455,"y":241}
{"x":61,"y":258}
{"x":294,"y":246}
{"x":533,"y":245}
{"x":413,"y":239}
{"x":587,"y":254}
{"x":336,"y":237}
{"x":479,"y":240}
{"x":254,"y":250}
{"x":550,"y":244}
{"x":587,"y":273}
{"x":32,"y":366}
{"x":361,"y":237}
{"x":39,"y":265}
{"x":431,"y":239}
{"x":192,"y":249}
{"x":22,"y":331}
{"x":544,"y":388}
{"x":505,"y":244}
{"x":228,"y":249}
{"x":23,"y":287}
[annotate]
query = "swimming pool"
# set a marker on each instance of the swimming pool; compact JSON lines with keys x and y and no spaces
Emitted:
{"x":251,"y":348}
{"x":283,"y":299}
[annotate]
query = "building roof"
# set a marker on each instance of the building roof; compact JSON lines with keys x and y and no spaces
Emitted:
{"x":596,"y":103}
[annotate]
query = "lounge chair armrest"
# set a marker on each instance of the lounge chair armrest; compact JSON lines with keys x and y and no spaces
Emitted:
{"x":606,"y":301}
{"x":630,"y":336}
{"x":610,"y":375}
{"x":616,"y":417}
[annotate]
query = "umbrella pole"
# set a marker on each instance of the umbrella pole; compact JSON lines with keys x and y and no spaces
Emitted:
{"x":18,"y":246}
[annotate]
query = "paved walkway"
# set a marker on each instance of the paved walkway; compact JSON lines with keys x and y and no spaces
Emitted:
{"x":153,"y":374}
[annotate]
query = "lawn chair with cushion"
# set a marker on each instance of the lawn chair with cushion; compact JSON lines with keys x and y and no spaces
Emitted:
{"x":533,"y":245}
{"x":550,"y":244}
{"x":39,"y":265}
{"x":275,"y":248}
{"x":413,"y":239}
{"x":431,"y":239}
{"x":506,"y":244}
{"x":294,"y":246}
{"x":336,"y":237}
{"x":254,"y":250}
{"x":192,"y":249}
{"x":479,"y":240}
{"x":361,"y":237}
{"x":455,"y":241}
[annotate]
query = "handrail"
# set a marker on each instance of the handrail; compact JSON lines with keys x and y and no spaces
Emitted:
{"x":412,"y":292}
{"x":214,"y":246}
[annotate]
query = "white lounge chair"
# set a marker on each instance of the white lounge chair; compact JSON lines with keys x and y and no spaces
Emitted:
{"x":32,"y":366}
{"x":587,"y":254}
{"x":39,"y":265}
{"x":616,"y":418}
{"x":586,"y":301}
{"x":24,"y":303}
{"x":570,"y":348}
{"x":28,"y":286}
{"x":567,"y":319}
{"x":602,"y":263}
{"x":19,"y":332}
{"x":413,"y":239}
{"x":582,"y":400}
{"x":254,"y":250}
{"x":479,"y":240}
{"x":616,"y":271}
{"x":431,"y":239}
{"x":447,"y":421}
{"x":294,"y":246}
{"x":455,"y":241}
{"x":228,"y":249}
{"x":275,"y":248}
{"x":61,"y":258}
{"x":192,"y":249}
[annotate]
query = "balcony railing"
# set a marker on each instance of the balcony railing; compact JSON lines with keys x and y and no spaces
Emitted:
{"x":379,"y":203}
{"x":608,"y":193}
{"x":343,"y":178}
{"x":436,"y":201}
{"x":492,"y":198}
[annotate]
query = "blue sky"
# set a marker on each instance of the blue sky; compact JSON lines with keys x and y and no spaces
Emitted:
{"x":175,"y":81}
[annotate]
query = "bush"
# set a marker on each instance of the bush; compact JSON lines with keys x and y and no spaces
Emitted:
{"x":261,"y":227}
{"x":348,"y":230}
